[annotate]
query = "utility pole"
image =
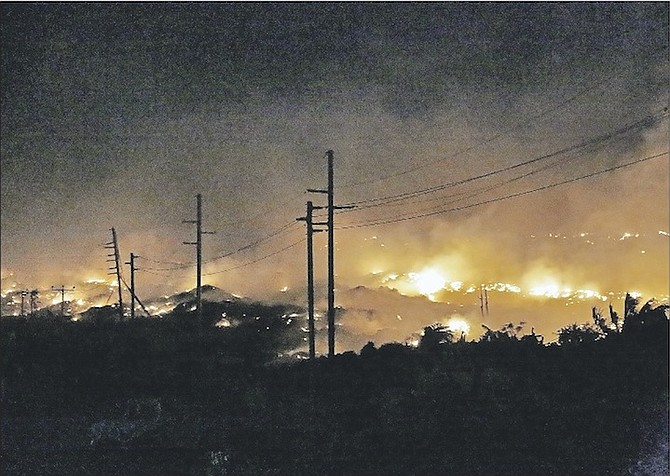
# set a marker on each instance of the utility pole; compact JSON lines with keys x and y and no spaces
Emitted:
{"x":481,"y":299}
{"x":132,"y":285}
{"x":198,"y":253}
{"x":331,"y":252}
{"x":114,"y":245}
{"x":62,"y":291}
{"x":310,"y":276}
{"x":33,"y":302}
{"x":24,"y":293}
{"x":486,"y":300}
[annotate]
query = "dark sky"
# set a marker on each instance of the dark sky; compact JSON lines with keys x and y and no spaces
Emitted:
{"x":118,"y":114}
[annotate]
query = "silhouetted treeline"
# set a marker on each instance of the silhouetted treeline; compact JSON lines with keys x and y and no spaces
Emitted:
{"x":172,"y":396}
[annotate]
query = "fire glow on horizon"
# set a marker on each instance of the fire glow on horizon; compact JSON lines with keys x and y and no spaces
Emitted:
{"x":429,"y":281}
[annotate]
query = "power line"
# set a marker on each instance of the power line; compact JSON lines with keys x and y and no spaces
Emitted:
{"x":644,"y":122}
{"x":465,"y":194}
{"x":498,"y":199}
{"x":256,"y":260}
{"x":253,"y":244}
{"x":179,"y":266}
{"x":524,"y":123}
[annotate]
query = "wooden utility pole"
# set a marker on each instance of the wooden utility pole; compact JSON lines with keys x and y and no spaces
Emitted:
{"x":310,"y":277}
{"x":483,"y":300}
{"x":331,"y":257}
{"x":24,"y":293}
{"x":33,"y":302}
{"x":114,"y":245}
{"x":331,"y":252}
{"x":198,"y":253}
{"x":132,"y":285}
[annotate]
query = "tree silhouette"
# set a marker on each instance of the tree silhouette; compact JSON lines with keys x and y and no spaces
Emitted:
{"x":578,"y":334}
{"x":368,"y":349}
{"x":650,"y":320}
{"x":507,"y":333}
{"x":434,"y":336}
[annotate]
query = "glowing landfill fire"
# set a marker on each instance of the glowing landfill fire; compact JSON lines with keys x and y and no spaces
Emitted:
{"x":426,"y":282}
{"x":429,"y":281}
{"x":459,"y":327}
{"x":554,"y":291}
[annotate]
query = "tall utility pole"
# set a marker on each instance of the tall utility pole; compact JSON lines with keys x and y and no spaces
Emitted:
{"x":198,"y":253}
{"x":132,"y":285}
{"x":310,"y":276}
{"x":331,"y":258}
{"x":62,"y":291}
{"x":331,"y":253}
{"x":114,"y":245}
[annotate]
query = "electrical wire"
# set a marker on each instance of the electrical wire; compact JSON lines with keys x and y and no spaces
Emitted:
{"x":498,"y":199}
{"x":495,"y":137}
{"x":280,"y":231}
{"x":644,"y":122}
{"x":256,"y":260}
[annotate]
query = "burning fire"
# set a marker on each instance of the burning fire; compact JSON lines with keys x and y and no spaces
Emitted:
{"x":458,"y":326}
{"x":428,"y":282}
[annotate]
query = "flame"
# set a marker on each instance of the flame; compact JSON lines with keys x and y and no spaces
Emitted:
{"x":457,"y":325}
{"x":428,"y":282}
{"x":548,"y":289}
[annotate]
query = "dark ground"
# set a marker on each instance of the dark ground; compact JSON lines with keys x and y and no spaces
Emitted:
{"x":160,"y":398}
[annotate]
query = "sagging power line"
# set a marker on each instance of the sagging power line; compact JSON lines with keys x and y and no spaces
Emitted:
{"x":501,"y":198}
{"x":644,"y":122}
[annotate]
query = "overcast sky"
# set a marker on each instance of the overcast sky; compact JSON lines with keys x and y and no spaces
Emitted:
{"x":118,"y":114}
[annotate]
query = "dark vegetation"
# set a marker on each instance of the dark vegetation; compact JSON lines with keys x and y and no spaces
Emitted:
{"x":170,"y":396}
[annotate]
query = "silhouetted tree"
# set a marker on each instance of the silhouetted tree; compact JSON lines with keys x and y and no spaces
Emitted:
{"x":650,"y":319}
{"x":629,"y":305}
{"x":533,"y":338}
{"x":614,"y":317}
{"x":435,"y":335}
{"x":578,"y":334}
{"x":507,"y":333}
{"x":368,"y":349}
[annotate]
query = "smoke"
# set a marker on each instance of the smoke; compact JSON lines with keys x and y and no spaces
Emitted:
{"x":438,"y":97}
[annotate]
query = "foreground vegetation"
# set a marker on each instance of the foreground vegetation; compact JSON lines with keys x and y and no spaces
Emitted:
{"x":171,"y":397}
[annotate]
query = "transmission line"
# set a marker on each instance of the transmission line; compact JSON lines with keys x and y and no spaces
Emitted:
{"x":524,"y":123}
{"x":498,"y":199}
{"x":644,"y":122}
{"x":256,"y":260}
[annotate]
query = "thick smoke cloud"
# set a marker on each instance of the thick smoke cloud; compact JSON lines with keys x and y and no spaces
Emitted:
{"x":125,"y":136}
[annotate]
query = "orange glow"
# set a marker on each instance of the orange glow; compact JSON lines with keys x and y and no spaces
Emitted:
{"x":458,"y":326}
{"x":428,"y":282}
